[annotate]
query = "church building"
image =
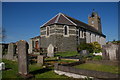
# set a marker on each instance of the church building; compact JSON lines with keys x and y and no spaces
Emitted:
{"x":64,"y":32}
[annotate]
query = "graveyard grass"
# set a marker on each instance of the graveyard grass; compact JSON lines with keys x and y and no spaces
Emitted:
{"x":99,"y":67}
{"x":34,"y":69}
{"x":66,"y":54}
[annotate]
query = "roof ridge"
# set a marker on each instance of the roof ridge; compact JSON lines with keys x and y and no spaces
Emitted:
{"x":57,"y":17}
{"x":49,"y":20}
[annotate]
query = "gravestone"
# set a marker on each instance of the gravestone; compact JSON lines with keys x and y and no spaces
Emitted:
{"x":111,"y":51}
{"x":40,"y":59}
{"x":11,"y":51}
{"x":84,"y":52}
{"x":2,"y":66}
{"x":22,"y":57}
{"x":50,"y":51}
{"x":58,"y":58}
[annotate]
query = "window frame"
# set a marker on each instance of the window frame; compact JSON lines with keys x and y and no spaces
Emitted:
{"x":47,"y":31}
{"x":66,"y":35}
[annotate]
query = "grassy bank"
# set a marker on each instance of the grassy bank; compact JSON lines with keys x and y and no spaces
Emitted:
{"x":38,"y":71}
{"x":66,"y":54}
{"x":98,"y":67}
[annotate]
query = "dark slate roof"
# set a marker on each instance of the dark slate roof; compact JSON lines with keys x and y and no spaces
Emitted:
{"x":64,"y":19}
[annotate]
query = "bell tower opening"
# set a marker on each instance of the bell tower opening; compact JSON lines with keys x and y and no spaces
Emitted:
{"x":95,"y":21}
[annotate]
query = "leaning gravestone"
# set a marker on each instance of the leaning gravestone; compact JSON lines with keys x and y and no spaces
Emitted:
{"x":40,"y":59}
{"x":23,"y":58}
{"x":50,"y":51}
{"x":11,"y":51}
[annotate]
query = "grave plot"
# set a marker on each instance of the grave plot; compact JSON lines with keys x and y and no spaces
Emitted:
{"x":98,"y":67}
{"x":37,"y":70}
{"x":85,"y":70}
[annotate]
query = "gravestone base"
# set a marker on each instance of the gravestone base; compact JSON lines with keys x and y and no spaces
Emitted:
{"x":28,"y":76}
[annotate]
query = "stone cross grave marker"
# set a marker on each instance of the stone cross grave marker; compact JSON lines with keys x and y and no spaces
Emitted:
{"x":50,"y":51}
{"x":22,"y":57}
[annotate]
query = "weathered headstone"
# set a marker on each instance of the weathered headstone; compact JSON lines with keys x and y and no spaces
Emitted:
{"x":58,"y":58}
{"x":111,"y":51}
{"x":11,"y":51}
{"x":50,"y":51}
{"x":84,"y":52}
{"x":22,"y":57}
{"x":40,"y":59}
{"x":2,"y":66}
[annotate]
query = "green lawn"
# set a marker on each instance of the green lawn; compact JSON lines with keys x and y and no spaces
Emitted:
{"x":98,"y":67}
{"x":51,"y":58}
{"x":34,"y":69}
{"x":66,"y":54}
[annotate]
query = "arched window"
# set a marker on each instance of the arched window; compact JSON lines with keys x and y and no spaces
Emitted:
{"x":66,"y":31}
{"x":82,"y":33}
{"x":47,"y":31}
{"x":90,"y":38}
{"x":79,"y":33}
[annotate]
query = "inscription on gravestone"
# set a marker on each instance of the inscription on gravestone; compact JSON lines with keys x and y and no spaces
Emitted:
{"x":50,"y":51}
{"x":22,"y":57}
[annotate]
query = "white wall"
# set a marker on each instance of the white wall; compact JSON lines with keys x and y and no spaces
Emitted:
{"x":95,"y":37}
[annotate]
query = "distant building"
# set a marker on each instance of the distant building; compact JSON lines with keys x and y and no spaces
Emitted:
{"x":34,"y":44}
{"x":65,"y":32}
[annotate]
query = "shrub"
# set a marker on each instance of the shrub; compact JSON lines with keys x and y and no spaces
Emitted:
{"x":97,"y":57}
{"x":91,"y":47}
{"x":86,"y":46}
{"x":97,"y":47}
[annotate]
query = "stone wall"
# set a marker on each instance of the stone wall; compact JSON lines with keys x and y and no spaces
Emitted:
{"x":94,"y":37}
{"x":68,"y":42}
{"x":84,"y":72}
{"x":58,"y":40}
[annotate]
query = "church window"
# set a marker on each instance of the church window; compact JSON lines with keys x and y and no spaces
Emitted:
{"x":82,"y":33}
{"x":47,"y":31}
{"x":79,"y":33}
{"x":66,"y":31}
{"x":92,"y":22}
{"x":90,"y":38}
{"x":85,"y":34}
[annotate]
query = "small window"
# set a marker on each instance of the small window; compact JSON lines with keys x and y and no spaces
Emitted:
{"x":92,"y":22}
{"x":79,"y":33}
{"x":90,"y":38}
{"x":66,"y":31}
{"x":47,"y":31}
{"x":82,"y":33}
